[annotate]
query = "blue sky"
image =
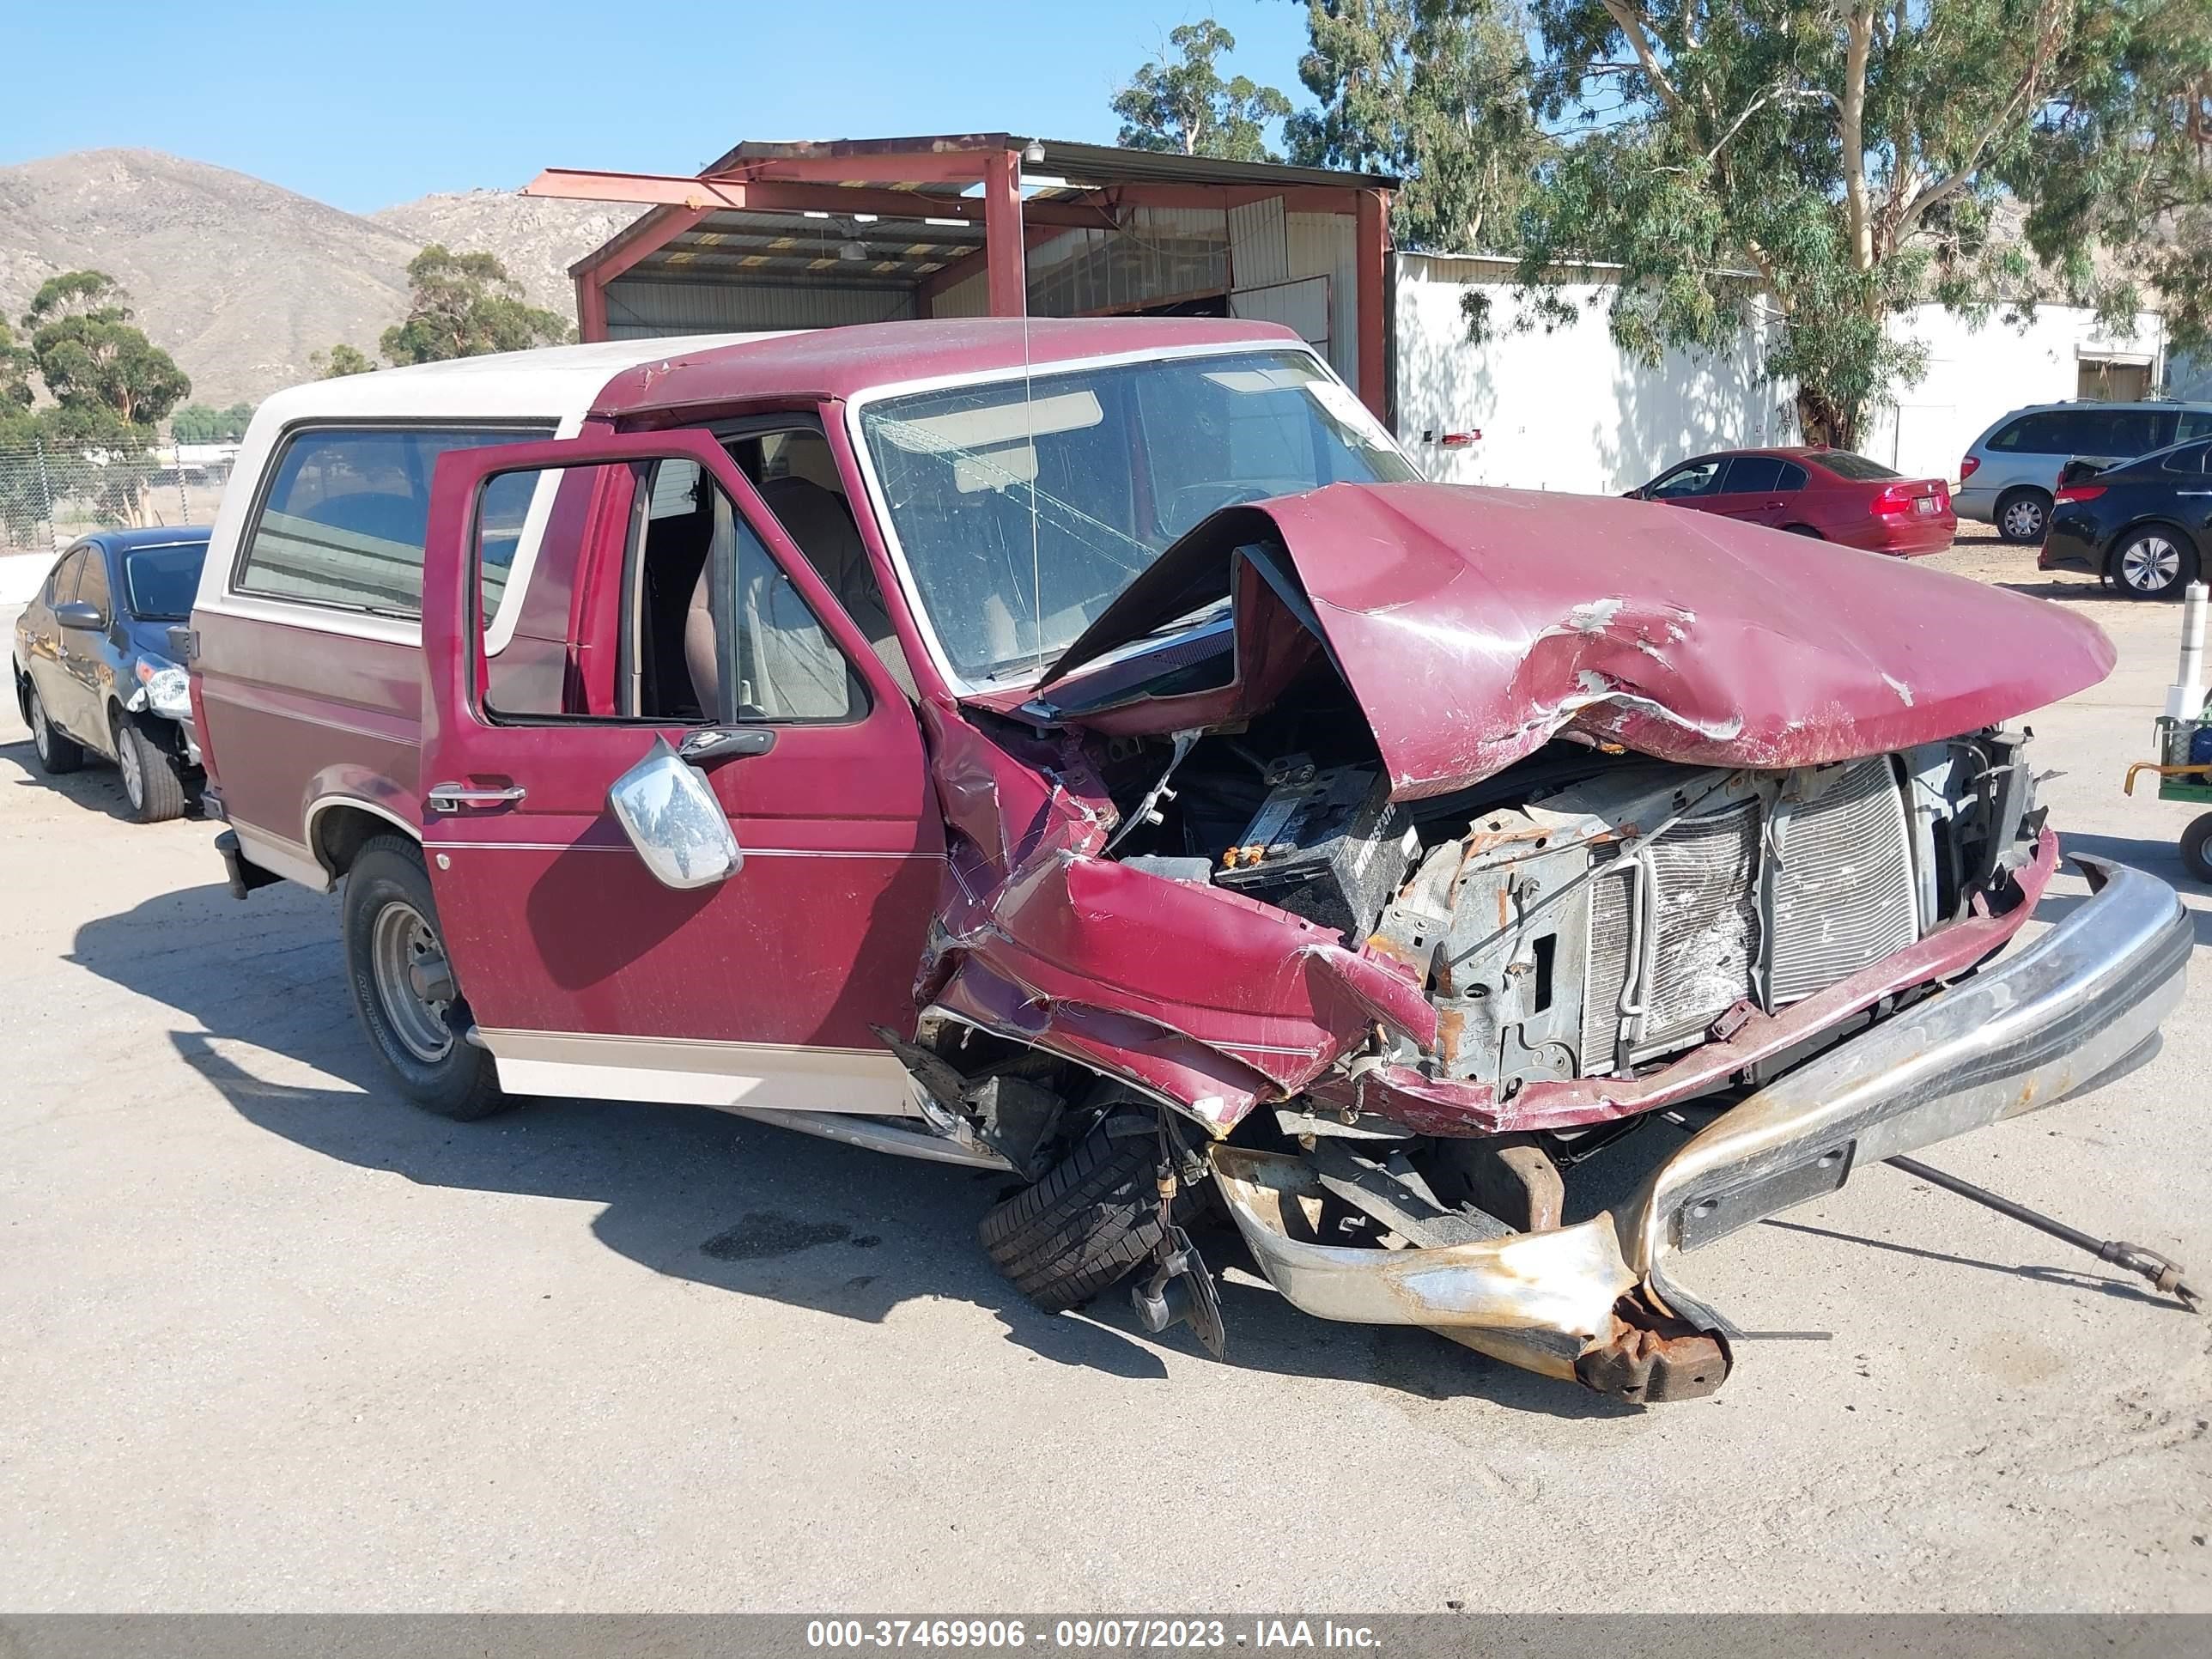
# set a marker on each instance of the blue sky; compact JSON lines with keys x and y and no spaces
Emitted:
{"x":366,"y":104}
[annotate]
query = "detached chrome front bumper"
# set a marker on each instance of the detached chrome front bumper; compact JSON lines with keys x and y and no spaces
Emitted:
{"x":2079,"y":1005}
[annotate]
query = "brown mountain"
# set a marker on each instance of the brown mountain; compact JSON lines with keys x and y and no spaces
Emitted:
{"x":239,"y":279}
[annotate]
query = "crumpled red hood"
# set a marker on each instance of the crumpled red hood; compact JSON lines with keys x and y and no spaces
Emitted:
{"x":1474,"y":625}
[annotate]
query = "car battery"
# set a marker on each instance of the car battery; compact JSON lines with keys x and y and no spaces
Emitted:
{"x":1326,"y":844}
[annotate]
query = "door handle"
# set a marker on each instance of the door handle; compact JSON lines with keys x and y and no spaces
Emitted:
{"x":456,"y":797}
{"x":1772,"y":506}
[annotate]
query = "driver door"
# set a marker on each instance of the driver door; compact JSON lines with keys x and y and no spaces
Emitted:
{"x":691,"y":615}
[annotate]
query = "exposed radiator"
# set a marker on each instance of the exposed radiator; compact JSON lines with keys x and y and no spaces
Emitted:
{"x":1605,"y":965}
{"x":1842,"y":894}
{"x":1839,"y":896}
{"x":1708,"y":922}
{"x":1705,"y":933}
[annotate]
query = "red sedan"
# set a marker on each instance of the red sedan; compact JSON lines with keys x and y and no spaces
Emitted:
{"x":1828,"y":493}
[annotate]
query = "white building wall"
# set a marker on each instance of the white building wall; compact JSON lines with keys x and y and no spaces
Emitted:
{"x":1978,"y":373}
{"x":1566,"y":409}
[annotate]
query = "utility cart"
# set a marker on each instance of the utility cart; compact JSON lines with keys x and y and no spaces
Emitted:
{"x":2184,"y":766}
{"x":2185,"y":773}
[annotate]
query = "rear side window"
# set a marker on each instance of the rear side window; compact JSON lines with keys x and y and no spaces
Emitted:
{"x":2120,"y":431}
{"x":2034,"y":434}
{"x":1857,"y":468}
{"x":1752,"y":475}
{"x":61,"y":586}
{"x":1793,"y":478}
{"x":347,"y":508}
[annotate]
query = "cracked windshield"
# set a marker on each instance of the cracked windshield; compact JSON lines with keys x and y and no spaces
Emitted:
{"x":1022,"y":517}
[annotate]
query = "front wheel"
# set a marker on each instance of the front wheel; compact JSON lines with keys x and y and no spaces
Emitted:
{"x":403,"y":986}
{"x":150,"y":783}
{"x":1092,"y":1219}
{"x":2153,"y":564}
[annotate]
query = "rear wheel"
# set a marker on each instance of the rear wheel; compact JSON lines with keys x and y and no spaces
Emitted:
{"x":2154,"y":562}
{"x":2023,"y":515}
{"x":1091,"y":1221}
{"x":56,"y":754}
{"x":403,"y":986}
{"x":1804,"y":530}
{"x":150,"y":782}
{"x":2196,"y":848}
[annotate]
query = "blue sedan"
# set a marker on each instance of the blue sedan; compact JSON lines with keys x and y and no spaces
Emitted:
{"x":95,"y":674}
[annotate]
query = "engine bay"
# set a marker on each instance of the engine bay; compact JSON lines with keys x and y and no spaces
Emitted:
{"x":1587,"y":912}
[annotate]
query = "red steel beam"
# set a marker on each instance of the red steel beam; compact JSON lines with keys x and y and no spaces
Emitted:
{"x":591,"y":308}
{"x":1371,"y":264}
{"x":675,"y":190}
{"x":663,"y":189}
{"x":1006,"y":254}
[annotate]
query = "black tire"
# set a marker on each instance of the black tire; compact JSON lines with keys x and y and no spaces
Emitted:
{"x":1804,"y":530}
{"x":2152,"y":561}
{"x":2023,"y":516}
{"x":57,"y":753}
{"x":151,"y":787}
{"x":1082,"y":1229}
{"x":2196,"y":848}
{"x":460,"y":1081}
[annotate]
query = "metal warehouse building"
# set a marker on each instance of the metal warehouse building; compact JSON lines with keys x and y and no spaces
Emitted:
{"x":807,"y":235}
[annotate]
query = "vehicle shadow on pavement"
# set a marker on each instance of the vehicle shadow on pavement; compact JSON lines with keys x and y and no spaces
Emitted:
{"x":97,"y":787}
{"x":2072,"y":590}
{"x":690,"y":1193}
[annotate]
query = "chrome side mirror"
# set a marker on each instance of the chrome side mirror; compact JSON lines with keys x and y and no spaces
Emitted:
{"x":673,"y":820}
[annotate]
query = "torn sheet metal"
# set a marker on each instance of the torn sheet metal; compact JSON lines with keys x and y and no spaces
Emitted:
{"x":1474,"y":625}
{"x":1197,"y":994}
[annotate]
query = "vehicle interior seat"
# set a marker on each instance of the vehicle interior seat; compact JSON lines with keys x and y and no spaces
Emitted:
{"x":788,"y":667}
{"x":819,"y":521}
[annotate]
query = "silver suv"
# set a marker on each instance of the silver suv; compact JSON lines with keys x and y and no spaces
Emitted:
{"x":2010,"y":472}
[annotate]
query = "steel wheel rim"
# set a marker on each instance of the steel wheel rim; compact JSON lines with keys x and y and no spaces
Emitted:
{"x":2150,"y":564}
{"x":133,"y":770}
{"x":400,"y":940}
{"x":42,"y":736}
{"x":2024,"y":518}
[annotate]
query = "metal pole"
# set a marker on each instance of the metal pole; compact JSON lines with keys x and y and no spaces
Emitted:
{"x":46,"y":496}
{"x":2163,"y":1271}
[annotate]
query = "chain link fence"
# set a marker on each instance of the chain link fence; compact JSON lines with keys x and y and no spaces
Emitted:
{"x":50,"y":496}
